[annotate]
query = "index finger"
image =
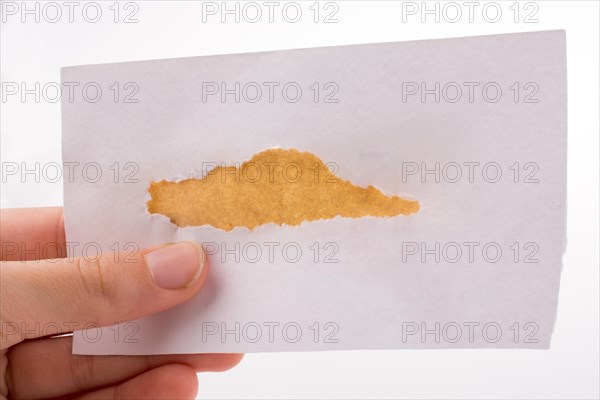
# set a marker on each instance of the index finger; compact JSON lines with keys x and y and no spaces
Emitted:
{"x":32,"y":234}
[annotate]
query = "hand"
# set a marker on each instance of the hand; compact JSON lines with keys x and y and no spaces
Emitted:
{"x":39,"y":296}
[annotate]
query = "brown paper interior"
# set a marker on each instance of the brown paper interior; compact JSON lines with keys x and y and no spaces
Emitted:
{"x":277,"y":185}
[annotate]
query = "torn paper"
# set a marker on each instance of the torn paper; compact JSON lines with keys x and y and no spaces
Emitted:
{"x":473,"y":129}
{"x":275,"y":186}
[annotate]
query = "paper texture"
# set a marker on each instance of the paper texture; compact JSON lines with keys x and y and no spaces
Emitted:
{"x":479,"y":264}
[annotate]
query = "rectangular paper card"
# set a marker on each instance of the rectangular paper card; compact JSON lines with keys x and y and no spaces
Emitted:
{"x":376,"y":196}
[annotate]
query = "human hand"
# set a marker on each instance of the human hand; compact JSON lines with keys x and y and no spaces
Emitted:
{"x":36,"y":293}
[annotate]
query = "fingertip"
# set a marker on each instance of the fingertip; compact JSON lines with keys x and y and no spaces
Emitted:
{"x":171,"y":381}
{"x":200,"y":277}
{"x":231,"y":360}
{"x":177,"y":266}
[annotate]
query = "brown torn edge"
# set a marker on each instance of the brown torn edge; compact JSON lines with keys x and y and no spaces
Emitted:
{"x":281,"y":186}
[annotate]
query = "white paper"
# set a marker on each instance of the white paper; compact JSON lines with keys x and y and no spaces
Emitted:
{"x":378,"y":295}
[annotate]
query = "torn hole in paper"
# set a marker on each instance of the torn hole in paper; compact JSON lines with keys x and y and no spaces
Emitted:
{"x":281,"y":186}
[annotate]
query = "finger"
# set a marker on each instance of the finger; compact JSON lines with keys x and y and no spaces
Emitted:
{"x":74,"y":294}
{"x":172,"y":381}
{"x":32,"y":234}
{"x":46,"y":367}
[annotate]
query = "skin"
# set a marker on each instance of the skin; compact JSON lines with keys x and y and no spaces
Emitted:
{"x":61,"y":292}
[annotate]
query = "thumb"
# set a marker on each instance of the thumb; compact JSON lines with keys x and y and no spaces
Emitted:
{"x":47,"y":297}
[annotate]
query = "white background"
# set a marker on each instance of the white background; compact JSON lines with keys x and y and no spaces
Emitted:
{"x":35,"y":51}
